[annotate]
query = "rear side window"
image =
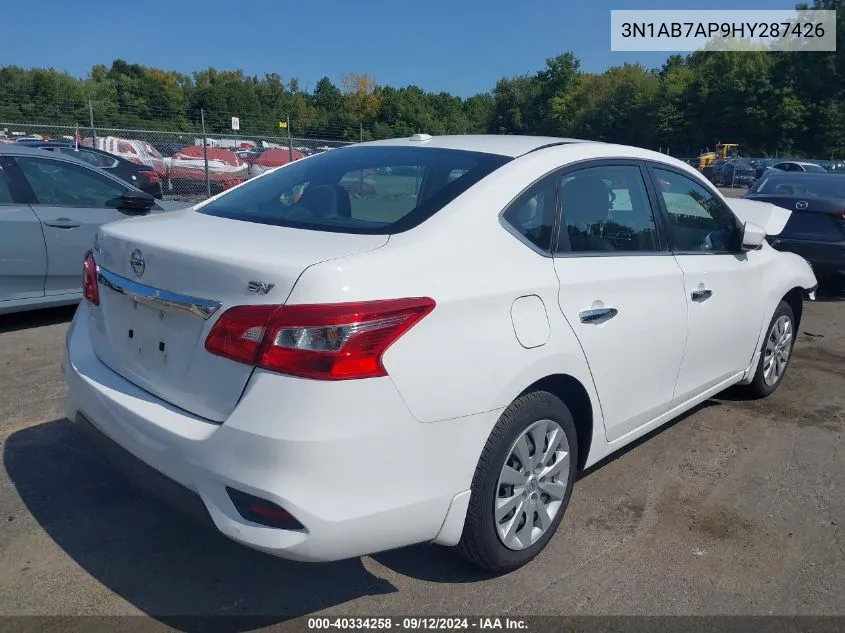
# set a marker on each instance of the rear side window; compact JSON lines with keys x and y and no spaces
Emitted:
{"x":371,"y":189}
{"x":92,"y":158}
{"x":531,"y":215}
{"x":606,"y":209}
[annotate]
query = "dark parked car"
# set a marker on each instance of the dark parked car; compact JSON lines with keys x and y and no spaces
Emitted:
{"x":141,"y":176}
{"x":734,"y":173}
{"x":760,"y":165}
{"x":816,"y":228}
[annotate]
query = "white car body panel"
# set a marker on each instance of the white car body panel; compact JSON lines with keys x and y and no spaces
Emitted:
{"x":182,"y":372}
{"x":506,"y":317}
{"x":648,"y":293}
{"x":721,"y":330}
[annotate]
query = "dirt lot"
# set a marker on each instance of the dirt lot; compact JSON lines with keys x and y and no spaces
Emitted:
{"x":736,"y":508}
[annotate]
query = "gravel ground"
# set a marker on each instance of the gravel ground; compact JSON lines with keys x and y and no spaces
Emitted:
{"x":736,"y":508}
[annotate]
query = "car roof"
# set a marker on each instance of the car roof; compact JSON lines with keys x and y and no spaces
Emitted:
{"x":502,"y":144}
{"x":36,"y":143}
{"x":776,"y":173}
{"x":798,"y":162}
{"x":23,"y":149}
{"x":514,"y":146}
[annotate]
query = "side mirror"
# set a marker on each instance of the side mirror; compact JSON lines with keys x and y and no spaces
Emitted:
{"x":752,"y":237}
{"x":137,"y":201}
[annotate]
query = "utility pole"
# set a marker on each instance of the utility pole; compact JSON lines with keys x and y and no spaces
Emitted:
{"x":205,"y":153}
{"x":91,"y":119}
{"x":290,"y":140}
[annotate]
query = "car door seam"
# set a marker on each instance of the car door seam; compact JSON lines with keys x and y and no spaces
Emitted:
{"x":686,"y":329}
{"x":580,"y":345}
{"x":46,"y":252}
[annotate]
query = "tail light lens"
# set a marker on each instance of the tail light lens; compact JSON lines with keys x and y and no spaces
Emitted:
{"x":339,"y":341}
{"x":149,"y":175}
{"x":89,"y":279}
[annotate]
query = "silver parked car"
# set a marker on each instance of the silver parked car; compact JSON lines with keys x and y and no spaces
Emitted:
{"x":51,"y":207}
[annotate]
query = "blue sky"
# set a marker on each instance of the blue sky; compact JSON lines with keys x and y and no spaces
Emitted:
{"x":460,"y":46}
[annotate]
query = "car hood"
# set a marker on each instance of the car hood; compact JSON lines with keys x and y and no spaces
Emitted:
{"x":769,"y":217}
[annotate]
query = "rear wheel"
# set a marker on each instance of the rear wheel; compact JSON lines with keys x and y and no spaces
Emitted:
{"x":522,"y":484}
{"x":776,"y":352}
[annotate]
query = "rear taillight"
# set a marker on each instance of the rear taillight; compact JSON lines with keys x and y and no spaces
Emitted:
{"x":339,"y":341}
{"x":149,"y":175}
{"x":89,"y":279}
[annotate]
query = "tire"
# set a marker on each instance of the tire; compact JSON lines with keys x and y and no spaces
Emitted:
{"x":481,"y":543}
{"x":760,"y":386}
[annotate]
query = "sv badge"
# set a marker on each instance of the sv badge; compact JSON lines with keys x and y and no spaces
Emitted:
{"x":259,"y":287}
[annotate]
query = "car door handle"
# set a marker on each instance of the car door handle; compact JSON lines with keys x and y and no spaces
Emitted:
{"x":63,"y":223}
{"x":701,"y":294}
{"x":597,"y":315}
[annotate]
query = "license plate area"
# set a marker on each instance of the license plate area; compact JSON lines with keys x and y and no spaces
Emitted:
{"x":153,"y":343}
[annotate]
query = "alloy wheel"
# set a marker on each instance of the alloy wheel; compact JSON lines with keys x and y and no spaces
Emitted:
{"x":778,"y":348}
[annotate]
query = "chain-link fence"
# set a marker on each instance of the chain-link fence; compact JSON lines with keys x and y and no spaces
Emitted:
{"x":193,"y":165}
{"x":186,"y":166}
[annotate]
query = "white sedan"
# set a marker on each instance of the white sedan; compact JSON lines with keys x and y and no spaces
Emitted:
{"x":431,"y":359}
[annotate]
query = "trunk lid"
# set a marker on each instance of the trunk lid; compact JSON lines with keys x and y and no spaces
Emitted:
{"x":151,"y":327}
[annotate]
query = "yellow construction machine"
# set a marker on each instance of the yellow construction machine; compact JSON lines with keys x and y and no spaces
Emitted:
{"x":723,"y":150}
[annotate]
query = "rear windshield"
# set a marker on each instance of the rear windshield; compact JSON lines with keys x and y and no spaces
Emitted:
{"x":805,"y":185}
{"x":374,"y":190}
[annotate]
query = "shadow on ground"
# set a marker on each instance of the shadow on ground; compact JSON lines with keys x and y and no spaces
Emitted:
{"x":155,"y":558}
{"x":167,"y":567}
{"x":36,"y":318}
{"x":182,"y":575}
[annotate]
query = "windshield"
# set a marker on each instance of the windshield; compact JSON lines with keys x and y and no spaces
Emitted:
{"x":366,"y":189}
{"x":805,"y":186}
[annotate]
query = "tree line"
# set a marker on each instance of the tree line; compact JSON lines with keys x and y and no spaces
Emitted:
{"x":768,"y":102}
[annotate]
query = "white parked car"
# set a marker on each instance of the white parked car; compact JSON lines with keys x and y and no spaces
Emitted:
{"x":434,"y":360}
{"x":794,"y":165}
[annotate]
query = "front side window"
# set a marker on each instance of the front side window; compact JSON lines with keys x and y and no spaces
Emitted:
{"x":698,"y":220}
{"x":371,"y":189}
{"x":606,"y":209}
{"x":60,"y":183}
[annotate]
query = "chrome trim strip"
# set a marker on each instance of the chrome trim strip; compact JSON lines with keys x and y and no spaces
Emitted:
{"x":158,"y":299}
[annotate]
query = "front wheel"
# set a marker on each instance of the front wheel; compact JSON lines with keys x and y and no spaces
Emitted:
{"x":521,"y":485}
{"x":775,"y":353}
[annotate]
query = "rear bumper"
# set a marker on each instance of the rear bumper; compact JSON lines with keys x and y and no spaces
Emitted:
{"x":144,"y":476}
{"x":348,"y":461}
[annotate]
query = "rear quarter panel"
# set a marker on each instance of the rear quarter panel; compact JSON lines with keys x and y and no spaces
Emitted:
{"x":464,"y":357}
